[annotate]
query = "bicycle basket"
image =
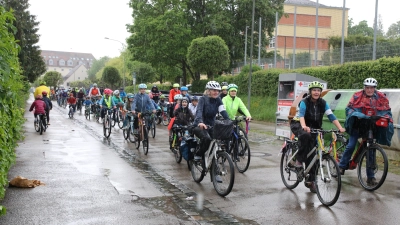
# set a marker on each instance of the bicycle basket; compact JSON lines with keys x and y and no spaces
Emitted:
{"x":222,"y":129}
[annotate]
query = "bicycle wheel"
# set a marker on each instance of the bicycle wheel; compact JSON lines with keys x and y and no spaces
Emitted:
{"x":327,"y":180}
{"x":41,"y":126}
{"x":120,"y":120}
{"x":70,"y":113}
{"x":153,"y":128}
{"x":87,"y":115}
{"x":223,"y":173}
{"x":107,"y":126}
{"x":113,"y":119}
{"x":165,"y":119}
{"x":177,"y":152}
{"x":341,"y":143}
{"x":242,"y":133}
{"x":288,"y":174}
{"x":241,"y":154}
{"x":196,"y":169}
{"x":378,"y":166}
{"x":126,"y":133}
{"x":36,"y":124}
{"x":145,"y":141}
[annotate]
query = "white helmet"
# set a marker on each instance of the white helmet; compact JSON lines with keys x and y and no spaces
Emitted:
{"x":178,"y":97}
{"x":370,"y":82}
{"x":116,"y":92}
{"x":213,"y":85}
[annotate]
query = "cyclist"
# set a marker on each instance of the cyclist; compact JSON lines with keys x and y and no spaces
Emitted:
{"x":311,"y":111}
{"x":140,"y":102}
{"x":367,"y":102}
{"x":49,"y":106}
{"x":128,"y":108}
{"x":73,"y":91}
{"x":62,"y":96}
{"x":175,"y":105}
{"x":174,"y":91}
{"x":209,"y":105}
{"x":156,"y":93}
{"x":80,"y":97}
{"x":184,"y":93}
{"x":42,"y":87}
{"x":122,"y":93}
{"x":39,"y":105}
{"x":117,"y":101}
{"x":162,"y":103}
{"x":106,"y":102}
{"x":233,"y":103}
{"x":94,"y":92}
{"x":224,"y":92}
{"x":72,"y":101}
{"x":193,"y":105}
{"x":183,"y":116}
{"x":88,"y":101}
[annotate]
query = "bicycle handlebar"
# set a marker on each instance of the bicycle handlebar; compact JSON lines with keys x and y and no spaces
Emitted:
{"x":316,"y":131}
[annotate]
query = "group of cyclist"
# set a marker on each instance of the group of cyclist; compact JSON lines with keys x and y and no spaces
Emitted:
{"x":222,"y":100}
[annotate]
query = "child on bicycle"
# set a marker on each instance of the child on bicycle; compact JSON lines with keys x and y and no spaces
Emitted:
{"x":39,"y":106}
{"x":140,"y":102}
{"x":368,"y":102}
{"x":162,"y":104}
{"x":311,"y":111}
{"x":183,"y":116}
{"x":87,"y":101}
{"x":128,"y":109}
{"x":72,"y":101}
{"x":193,"y":104}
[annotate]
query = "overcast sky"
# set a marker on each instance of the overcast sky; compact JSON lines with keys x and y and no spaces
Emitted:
{"x":82,"y":25}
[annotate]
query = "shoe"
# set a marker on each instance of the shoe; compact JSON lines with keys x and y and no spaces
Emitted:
{"x":311,"y":186}
{"x":371,"y":181}
{"x":197,"y":158}
{"x":218,"y":179}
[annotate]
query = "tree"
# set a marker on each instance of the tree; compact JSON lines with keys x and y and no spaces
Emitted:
{"x":111,"y":76}
{"x":144,"y":72}
{"x":27,"y":27}
{"x":394,"y":31}
{"x":209,"y":54}
{"x":53,"y":78}
{"x":96,"y":67}
{"x":361,"y":28}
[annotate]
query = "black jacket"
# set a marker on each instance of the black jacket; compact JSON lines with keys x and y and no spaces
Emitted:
{"x":314,"y":112}
{"x":46,"y":100}
{"x":183,"y":116}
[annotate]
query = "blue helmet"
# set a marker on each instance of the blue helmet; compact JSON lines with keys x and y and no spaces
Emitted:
{"x":130,"y":95}
{"x":195,"y":98}
{"x":184,"y":88}
{"x":141,"y":86}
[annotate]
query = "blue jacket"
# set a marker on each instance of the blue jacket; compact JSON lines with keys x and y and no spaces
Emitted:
{"x":207,"y":110}
{"x":154,"y":104}
{"x":141,"y":103}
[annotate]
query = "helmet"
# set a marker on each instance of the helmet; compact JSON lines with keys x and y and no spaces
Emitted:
{"x":155,"y":86}
{"x":185,"y":99}
{"x":142,"y":86}
{"x":178,"y":97}
{"x":370,"y":82}
{"x":162,"y":96}
{"x":195,"y":98}
{"x":116,"y":92}
{"x":184,"y":88}
{"x":232,"y":86}
{"x":176,"y":85}
{"x":213,"y":85}
{"x":44,"y":92}
{"x":224,"y":87}
{"x":224,"y":83}
{"x":315,"y":84}
{"x":108,"y":91}
{"x":94,"y":85}
{"x":42,"y":82}
{"x":130,"y":95}
{"x":121,"y":88}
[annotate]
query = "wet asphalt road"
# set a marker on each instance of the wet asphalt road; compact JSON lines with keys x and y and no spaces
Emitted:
{"x":93,"y":180}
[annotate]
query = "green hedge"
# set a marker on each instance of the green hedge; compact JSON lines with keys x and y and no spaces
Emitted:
{"x":12,"y":99}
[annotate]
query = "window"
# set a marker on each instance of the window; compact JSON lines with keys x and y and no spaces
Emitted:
{"x":272,"y":42}
{"x":61,"y":62}
{"x":70,"y":63}
{"x":50,"y":62}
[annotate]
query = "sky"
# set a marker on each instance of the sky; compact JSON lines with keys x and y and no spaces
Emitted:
{"x":82,"y":25}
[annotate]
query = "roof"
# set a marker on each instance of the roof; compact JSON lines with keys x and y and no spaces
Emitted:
{"x":73,"y":71}
{"x":76,"y":57}
{"x":307,"y":3}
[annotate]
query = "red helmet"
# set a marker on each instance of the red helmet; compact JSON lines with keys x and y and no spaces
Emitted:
{"x":44,"y":93}
{"x":108,"y":91}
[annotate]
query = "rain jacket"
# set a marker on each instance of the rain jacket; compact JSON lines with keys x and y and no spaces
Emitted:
{"x":140,"y":103}
{"x":183,"y":116}
{"x":39,"y":105}
{"x":103,"y":102}
{"x":40,"y":89}
{"x":117,"y":100}
{"x":48,"y":102}
{"x":172,"y":94}
{"x":380,"y":103}
{"x":232,"y":105}
{"x":207,"y":109}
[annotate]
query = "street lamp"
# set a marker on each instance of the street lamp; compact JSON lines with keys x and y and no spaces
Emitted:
{"x":123,"y":60}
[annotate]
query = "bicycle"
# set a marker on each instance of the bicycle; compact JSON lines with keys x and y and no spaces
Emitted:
{"x":117,"y":116}
{"x":71,"y":112}
{"x":79,"y":105}
{"x":219,"y":163}
{"x":107,"y":123}
{"x":87,"y":112}
{"x":40,"y":123}
{"x":365,"y":157}
{"x":327,"y":173}
{"x":97,"y":111}
{"x":178,"y":132}
{"x":143,"y":133}
{"x":128,"y":133}
{"x":238,"y":147}
{"x":151,"y":124}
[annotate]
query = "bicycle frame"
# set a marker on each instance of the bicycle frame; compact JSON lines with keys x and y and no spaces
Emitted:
{"x":211,"y":153}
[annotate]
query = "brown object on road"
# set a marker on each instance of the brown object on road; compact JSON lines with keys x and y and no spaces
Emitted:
{"x":25,"y":183}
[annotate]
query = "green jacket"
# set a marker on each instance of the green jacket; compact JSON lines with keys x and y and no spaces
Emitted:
{"x":233,"y":105}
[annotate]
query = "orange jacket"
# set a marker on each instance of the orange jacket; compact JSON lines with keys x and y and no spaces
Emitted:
{"x":172,"y":94}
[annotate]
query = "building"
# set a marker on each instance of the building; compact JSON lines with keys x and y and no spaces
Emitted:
{"x":329,"y":24}
{"x":68,"y":64}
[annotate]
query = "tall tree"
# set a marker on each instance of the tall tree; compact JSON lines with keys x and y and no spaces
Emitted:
{"x":53,"y":78}
{"x":361,"y":28}
{"x":30,"y":59}
{"x":394,"y":30}
{"x":208,"y":55}
{"x":96,"y":67}
{"x":111,"y":76}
